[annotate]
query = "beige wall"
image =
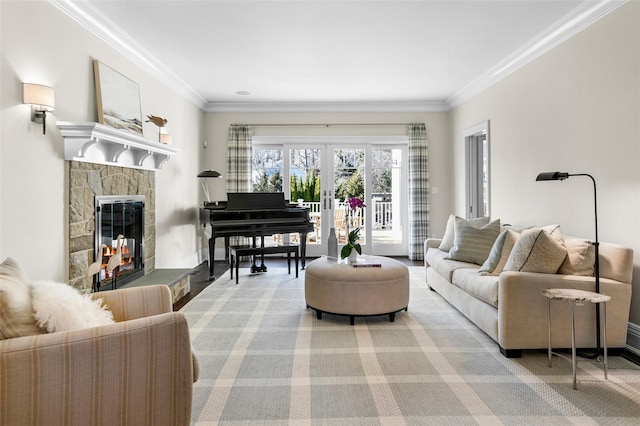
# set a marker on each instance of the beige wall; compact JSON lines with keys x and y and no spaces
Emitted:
{"x":40,"y":44}
{"x":574,"y":109}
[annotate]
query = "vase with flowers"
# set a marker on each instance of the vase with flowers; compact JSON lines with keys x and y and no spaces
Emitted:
{"x":352,"y":248}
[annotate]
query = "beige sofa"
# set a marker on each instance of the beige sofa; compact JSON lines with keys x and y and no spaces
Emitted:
{"x":509,"y":307}
{"x":138,"y":371}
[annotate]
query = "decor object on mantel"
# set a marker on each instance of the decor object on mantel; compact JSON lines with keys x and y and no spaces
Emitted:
{"x":163,"y":137}
{"x":42,"y":100}
{"x":118,"y":99}
{"x":562,"y":176}
{"x":100,"y":144}
{"x":208,"y":174}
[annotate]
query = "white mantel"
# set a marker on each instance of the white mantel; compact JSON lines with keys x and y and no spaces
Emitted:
{"x":100,"y":144}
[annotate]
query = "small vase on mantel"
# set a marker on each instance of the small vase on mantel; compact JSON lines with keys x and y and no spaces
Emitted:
{"x":332,"y":243}
{"x":353,"y":256}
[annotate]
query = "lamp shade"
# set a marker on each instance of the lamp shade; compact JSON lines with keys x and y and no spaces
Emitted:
{"x":552,"y":176}
{"x":209,"y":174}
{"x":42,"y":97}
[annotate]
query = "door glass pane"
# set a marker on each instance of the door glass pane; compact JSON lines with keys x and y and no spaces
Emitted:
{"x":304,"y":183}
{"x":386,"y":166}
{"x":267,"y":170}
{"x":349,"y":178}
{"x":485,"y":175}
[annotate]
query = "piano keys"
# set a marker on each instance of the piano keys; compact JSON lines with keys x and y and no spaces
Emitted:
{"x":254,"y":214}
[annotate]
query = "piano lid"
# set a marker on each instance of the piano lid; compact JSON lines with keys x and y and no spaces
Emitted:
{"x":240,"y":201}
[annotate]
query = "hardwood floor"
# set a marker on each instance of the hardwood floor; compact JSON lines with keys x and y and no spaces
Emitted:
{"x":200,"y":275}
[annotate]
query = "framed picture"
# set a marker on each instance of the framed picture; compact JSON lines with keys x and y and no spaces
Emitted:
{"x":118,"y":99}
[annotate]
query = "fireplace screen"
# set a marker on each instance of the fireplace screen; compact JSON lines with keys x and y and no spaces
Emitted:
{"x":119,"y":240}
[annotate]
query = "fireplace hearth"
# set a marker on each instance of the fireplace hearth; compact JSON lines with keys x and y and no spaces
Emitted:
{"x":119,"y":239}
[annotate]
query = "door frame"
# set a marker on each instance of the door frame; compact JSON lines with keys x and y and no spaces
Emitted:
{"x":328,"y":143}
{"x":474,"y":168}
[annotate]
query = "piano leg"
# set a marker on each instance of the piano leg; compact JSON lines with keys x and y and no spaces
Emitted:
{"x":212,"y":255}
{"x":254,"y":267}
{"x":263,"y":267}
{"x":303,"y":249}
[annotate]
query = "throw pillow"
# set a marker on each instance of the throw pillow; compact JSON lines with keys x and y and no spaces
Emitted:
{"x":449,"y":236}
{"x":581,"y":258}
{"x":499,"y":253}
{"x":60,"y":307}
{"x":473,"y":244}
{"x":16,"y":311}
{"x":537,"y":250}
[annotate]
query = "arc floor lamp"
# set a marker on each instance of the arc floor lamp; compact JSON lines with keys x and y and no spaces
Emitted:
{"x":596,"y":244}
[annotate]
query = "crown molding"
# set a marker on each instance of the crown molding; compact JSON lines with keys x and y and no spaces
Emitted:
{"x":97,"y":23}
{"x":563,"y":29}
{"x":572,"y":23}
{"x":381,"y":106}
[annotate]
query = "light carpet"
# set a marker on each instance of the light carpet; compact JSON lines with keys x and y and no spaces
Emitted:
{"x":266,"y":359}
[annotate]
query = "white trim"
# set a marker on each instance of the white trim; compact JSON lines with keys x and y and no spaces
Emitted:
{"x":633,"y":338}
{"x":373,"y":106}
{"x":569,"y":25}
{"x":97,"y":23}
{"x":578,"y":19}
{"x":100,"y":144}
{"x":479,"y":128}
{"x":299,"y":140}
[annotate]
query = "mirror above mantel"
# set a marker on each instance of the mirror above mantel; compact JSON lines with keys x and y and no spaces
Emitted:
{"x":100,"y":144}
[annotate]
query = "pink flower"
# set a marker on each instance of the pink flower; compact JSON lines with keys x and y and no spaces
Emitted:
{"x":355,"y":202}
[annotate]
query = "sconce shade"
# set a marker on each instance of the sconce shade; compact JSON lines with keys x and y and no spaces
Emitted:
{"x":39,"y":96}
{"x":552,"y":176}
{"x":209,"y":174}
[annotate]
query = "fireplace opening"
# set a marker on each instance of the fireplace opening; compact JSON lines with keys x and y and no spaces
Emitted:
{"x":119,"y":240}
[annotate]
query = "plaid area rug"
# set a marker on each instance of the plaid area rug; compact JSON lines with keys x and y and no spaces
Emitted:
{"x":266,"y":359}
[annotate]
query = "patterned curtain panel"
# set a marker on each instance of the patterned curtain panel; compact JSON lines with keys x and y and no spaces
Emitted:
{"x":239,"y":158}
{"x":239,"y":166}
{"x":418,"y":190}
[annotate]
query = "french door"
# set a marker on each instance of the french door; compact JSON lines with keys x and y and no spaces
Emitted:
{"x":321,"y":174}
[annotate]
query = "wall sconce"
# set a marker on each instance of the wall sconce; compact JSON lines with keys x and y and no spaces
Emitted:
{"x":42,"y":100}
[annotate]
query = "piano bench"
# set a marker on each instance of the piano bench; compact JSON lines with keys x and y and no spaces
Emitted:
{"x":235,"y":252}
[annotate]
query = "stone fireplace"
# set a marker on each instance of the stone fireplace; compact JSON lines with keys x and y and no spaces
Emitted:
{"x":88,"y":180}
{"x":119,"y":240}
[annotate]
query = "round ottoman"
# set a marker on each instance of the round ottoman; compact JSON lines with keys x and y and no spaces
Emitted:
{"x":340,"y":288}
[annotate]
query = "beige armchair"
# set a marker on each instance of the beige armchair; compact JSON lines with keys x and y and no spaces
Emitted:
{"x":138,"y":371}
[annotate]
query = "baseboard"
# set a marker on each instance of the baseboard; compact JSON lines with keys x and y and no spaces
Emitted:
{"x":632,"y":351}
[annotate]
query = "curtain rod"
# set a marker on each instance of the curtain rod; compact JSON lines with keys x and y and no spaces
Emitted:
{"x":322,"y":124}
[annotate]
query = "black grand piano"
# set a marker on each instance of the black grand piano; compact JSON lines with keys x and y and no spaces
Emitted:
{"x":255,"y":215}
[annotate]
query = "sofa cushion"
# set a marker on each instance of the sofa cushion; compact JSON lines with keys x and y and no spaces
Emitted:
{"x":482,"y":287}
{"x":16,"y":311}
{"x":60,"y":307}
{"x":499,"y":253}
{"x":445,"y":266}
{"x":448,"y":239}
{"x":580,"y":259}
{"x":433,"y":255}
{"x":473,"y":243}
{"x":538,"y":250}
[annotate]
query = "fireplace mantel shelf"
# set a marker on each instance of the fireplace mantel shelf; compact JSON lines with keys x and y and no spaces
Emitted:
{"x":100,"y":144}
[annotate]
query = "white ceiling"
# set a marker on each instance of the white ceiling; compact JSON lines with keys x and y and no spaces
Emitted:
{"x":393,"y":55}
